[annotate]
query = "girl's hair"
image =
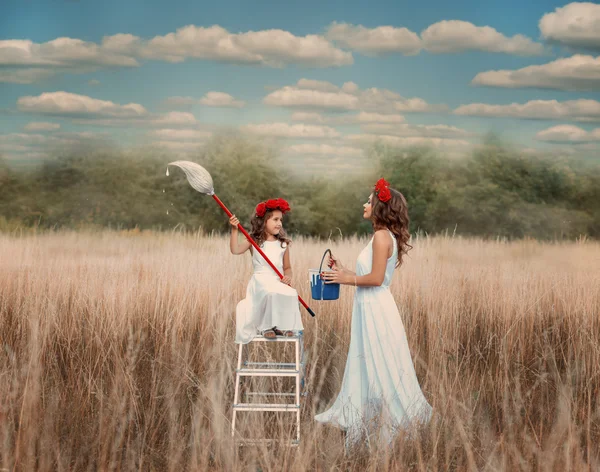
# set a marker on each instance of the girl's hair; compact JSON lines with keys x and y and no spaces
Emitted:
{"x":258,"y":229}
{"x":393,"y":215}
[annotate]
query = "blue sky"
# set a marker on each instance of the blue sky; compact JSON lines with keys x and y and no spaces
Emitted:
{"x":435,"y":73}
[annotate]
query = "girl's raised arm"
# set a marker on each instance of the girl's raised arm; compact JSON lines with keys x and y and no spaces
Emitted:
{"x":234,"y":246}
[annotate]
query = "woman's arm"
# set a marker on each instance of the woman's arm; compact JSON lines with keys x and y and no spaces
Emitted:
{"x":381,"y":247}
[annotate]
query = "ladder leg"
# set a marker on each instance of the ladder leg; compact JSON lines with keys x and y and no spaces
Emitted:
{"x":237,"y":389}
{"x":298,"y":373}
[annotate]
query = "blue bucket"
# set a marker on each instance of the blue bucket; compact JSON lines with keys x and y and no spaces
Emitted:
{"x":320,"y":290}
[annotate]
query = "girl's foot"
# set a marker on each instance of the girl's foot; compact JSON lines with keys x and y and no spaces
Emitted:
{"x":270,"y":333}
{"x":288,"y":333}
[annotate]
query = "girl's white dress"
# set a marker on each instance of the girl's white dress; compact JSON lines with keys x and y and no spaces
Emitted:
{"x":269,"y":302}
{"x":380,"y":391}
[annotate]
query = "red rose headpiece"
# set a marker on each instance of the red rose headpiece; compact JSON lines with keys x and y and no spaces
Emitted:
{"x":274,"y":204}
{"x":382,"y":190}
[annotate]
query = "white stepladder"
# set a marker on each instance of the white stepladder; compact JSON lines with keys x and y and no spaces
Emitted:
{"x":295,"y":370}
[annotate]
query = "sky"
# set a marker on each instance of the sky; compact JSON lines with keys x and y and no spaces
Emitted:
{"x":320,"y":80}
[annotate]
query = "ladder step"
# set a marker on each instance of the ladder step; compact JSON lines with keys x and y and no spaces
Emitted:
{"x":253,"y":442}
{"x":266,"y":407}
{"x":280,"y":339}
{"x":273,"y":394}
{"x":268,"y":372}
{"x":272,"y":364}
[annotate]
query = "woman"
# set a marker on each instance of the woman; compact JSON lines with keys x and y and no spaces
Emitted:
{"x":380,"y":391}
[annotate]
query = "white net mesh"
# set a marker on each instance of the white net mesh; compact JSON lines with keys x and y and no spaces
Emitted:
{"x":197,"y":176}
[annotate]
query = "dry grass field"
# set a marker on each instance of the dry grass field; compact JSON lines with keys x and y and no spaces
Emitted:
{"x":117,"y":353}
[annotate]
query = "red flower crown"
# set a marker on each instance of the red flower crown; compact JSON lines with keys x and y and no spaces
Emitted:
{"x":382,"y":190}
{"x":273,"y":204}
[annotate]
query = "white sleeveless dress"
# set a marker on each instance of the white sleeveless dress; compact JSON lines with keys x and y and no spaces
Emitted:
{"x":269,"y":302}
{"x":380,"y":391}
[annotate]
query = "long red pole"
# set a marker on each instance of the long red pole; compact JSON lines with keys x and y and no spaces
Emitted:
{"x":249,"y":238}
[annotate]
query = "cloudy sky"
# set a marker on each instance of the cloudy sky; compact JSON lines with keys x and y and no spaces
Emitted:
{"x":321,"y":79}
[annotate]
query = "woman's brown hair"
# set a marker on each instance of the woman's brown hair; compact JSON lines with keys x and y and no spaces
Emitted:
{"x":257,"y":231}
{"x":393,"y":215}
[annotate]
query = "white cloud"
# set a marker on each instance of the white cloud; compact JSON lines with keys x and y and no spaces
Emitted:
{"x":325,"y":165}
{"x":70,"y":104}
{"x":23,"y":61}
{"x":350,"y":87}
{"x":274,"y":48}
{"x":366,"y":117}
{"x":308,"y":117}
{"x":578,"y":72}
{"x":27,"y":144}
{"x":418,"y":105}
{"x":375,"y":41}
{"x":403,"y":141}
{"x":347,"y":98}
{"x":173,"y":118}
{"x":410,"y":130}
{"x":449,"y":36}
{"x":578,"y":110}
{"x":575,"y":24}
{"x":91,"y":111}
{"x":211,"y":99}
{"x":60,"y":52}
{"x":321,"y":85}
{"x":285,"y":130}
{"x":297,"y":97}
{"x":361,"y":117}
{"x":568,"y":134}
{"x":27,"y":139}
{"x":169,"y":134}
{"x":41,"y":126}
{"x":325,"y":149}
{"x":221,"y":99}
{"x":184,"y":147}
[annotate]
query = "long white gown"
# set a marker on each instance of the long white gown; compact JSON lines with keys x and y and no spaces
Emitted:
{"x":380,"y":392}
{"x":268,"y":302}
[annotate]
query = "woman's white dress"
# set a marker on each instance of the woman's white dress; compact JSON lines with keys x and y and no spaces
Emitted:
{"x":269,"y":302}
{"x":380,"y":391}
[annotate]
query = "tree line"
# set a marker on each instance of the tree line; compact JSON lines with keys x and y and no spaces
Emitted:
{"x":494,"y":191}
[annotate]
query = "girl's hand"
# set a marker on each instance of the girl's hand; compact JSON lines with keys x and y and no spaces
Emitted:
{"x":287,"y":280}
{"x":335,"y":277}
{"x":234,"y":221}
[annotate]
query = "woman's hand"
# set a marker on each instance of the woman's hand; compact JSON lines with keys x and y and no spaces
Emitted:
{"x":336,"y":276}
{"x":233,"y":221}
{"x":334,"y":263}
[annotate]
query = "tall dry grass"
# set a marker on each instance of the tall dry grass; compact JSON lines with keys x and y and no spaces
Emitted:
{"x":118,"y":354}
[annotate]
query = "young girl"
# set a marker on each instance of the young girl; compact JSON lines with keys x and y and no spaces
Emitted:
{"x":271,"y":304}
{"x":380,"y":388}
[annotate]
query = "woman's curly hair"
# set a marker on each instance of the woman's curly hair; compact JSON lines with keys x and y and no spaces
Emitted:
{"x":393,"y":215}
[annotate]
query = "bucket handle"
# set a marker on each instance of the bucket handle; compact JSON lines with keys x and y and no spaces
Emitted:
{"x":321,"y":266}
